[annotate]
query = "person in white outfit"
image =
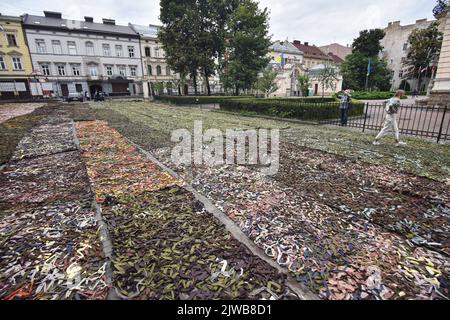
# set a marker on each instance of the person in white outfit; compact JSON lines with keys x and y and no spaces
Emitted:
{"x":390,"y":124}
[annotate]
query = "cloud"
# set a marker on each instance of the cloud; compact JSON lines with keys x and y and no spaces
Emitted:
{"x":317,"y":21}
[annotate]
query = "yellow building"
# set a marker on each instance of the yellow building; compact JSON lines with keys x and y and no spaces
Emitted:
{"x":15,"y":60}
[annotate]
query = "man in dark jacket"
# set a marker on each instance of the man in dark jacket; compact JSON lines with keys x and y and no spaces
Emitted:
{"x":344,"y":106}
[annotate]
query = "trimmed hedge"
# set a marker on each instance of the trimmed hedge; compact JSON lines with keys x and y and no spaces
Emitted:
{"x":290,"y":109}
{"x":361,"y":95}
{"x":190,"y":100}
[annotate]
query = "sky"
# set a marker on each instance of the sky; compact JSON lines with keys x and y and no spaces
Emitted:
{"x":319,"y":22}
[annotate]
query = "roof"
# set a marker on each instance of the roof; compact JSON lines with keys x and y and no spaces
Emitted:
{"x":150,"y":31}
{"x":311,"y":51}
{"x":32,"y":21}
{"x":10,"y":18}
{"x":285,"y":47}
{"x":335,"y":58}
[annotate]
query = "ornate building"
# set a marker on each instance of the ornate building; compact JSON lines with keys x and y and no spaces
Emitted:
{"x":15,"y":63}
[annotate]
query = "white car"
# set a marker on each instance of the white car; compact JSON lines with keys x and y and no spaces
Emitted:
{"x":75,"y":96}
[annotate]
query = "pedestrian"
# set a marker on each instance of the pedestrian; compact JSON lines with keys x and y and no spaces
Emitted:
{"x":390,"y":124}
{"x":344,"y":106}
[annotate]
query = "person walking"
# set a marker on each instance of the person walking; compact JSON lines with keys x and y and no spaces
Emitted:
{"x":390,"y":124}
{"x":344,"y":106}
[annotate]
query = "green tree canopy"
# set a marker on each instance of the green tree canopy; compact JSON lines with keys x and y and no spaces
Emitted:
{"x":304,"y":83}
{"x":368,"y":42}
{"x":327,"y":77}
{"x":424,"y":47}
{"x":354,"y":71}
{"x":247,"y":45}
{"x":267,"y":82}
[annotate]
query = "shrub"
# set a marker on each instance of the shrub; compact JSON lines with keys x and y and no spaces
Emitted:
{"x":192,"y":100}
{"x":290,"y":109}
{"x":362,"y":95}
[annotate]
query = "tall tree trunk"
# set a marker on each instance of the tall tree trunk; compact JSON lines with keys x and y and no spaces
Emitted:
{"x":237,"y":91}
{"x":208,"y":87}
{"x":195,"y":84}
{"x":179,"y":90}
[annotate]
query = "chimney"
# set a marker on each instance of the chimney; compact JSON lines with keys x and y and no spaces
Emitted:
{"x":88,"y":19}
{"x":109,"y":21}
{"x":297,"y":42}
{"x":52,"y":14}
{"x":306,"y":43}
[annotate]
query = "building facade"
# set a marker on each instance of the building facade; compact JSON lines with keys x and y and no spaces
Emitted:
{"x":288,"y":61}
{"x":395,"y":49}
{"x":72,"y":56}
{"x":155,"y":67}
{"x":313,"y":56}
{"x":336,"y":49}
{"x":15,"y":62}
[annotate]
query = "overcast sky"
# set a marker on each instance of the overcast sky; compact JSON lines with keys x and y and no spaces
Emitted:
{"x":318,"y":21}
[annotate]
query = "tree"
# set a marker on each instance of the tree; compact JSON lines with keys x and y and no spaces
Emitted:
{"x":424,"y":48}
{"x":328,"y":77}
{"x":304,"y":82}
{"x":354,"y":69}
{"x":246,"y":45}
{"x":177,"y":34}
{"x":354,"y":72}
{"x":159,"y":87}
{"x":368,"y":42}
{"x":267,"y":82}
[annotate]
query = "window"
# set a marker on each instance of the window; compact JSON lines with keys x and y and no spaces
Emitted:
{"x":12,"y":42}
{"x":45,"y":69}
{"x":122,"y":70}
{"x":158,"y":70}
{"x":150,"y":70}
{"x":157,"y":52}
{"x":168,"y":71}
{"x":400,"y":74}
{"x":147,"y":52}
{"x":106,"y":50}
{"x":79,"y":87}
{"x":17,"y":63}
{"x":72,"y":47}
{"x":40,"y":46}
{"x":405,"y":46}
{"x":76,"y":70}
{"x":62,"y":70}
{"x":133,"y":71}
{"x":2,"y":63}
{"x":119,"y":52}
{"x":109,"y":71}
{"x":131,"y":51}
{"x":56,"y":44}
{"x":93,"y":71}
{"x":90,"y":48}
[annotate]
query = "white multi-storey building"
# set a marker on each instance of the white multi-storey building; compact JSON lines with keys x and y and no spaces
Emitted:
{"x":395,"y":49}
{"x":84,"y":56}
{"x":154,"y":62}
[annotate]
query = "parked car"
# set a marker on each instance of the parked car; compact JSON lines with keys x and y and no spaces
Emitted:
{"x":99,"y":96}
{"x":75,"y":96}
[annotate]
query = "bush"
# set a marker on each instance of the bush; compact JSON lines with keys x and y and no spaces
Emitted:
{"x":191,"y":100}
{"x":361,"y":95}
{"x":290,"y":109}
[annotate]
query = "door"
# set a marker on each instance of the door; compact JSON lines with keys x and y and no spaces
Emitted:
{"x":316,"y":89}
{"x":120,"y":88}
{"x":65,"y":90}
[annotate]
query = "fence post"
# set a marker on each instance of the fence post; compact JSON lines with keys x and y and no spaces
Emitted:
{"x":366,"y":107}
{"x":442,"y":125}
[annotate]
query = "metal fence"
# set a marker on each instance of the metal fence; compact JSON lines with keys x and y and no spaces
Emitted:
{"x":421,"y":121}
